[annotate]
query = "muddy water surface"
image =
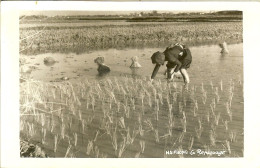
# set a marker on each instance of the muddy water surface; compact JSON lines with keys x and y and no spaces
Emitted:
{"x":208,"y":64}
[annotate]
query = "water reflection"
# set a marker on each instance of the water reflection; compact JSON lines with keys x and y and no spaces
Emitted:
{"x":224,"y":55}
{"x":103,"y":73}
{"x":49,"y":63}
{"x":82,"y":66}
{"x":135,"y":72}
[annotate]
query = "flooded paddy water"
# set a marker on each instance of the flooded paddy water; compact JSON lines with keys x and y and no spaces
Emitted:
{"x":208,"y":64}
{"x":122,"y":114}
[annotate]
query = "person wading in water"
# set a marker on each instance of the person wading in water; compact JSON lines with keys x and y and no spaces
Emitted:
{"x":178,"y":57}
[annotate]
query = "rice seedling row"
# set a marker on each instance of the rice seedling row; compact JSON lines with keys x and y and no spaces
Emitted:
{"x":126,"y":117}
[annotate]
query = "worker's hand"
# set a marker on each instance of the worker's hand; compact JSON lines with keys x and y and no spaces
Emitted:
{"x":171,"y":77}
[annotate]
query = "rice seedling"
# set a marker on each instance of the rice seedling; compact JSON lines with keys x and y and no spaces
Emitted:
{"x":228,"y":146}
{"x":198,"y":132}
{"x":122,"y":122}
{"x":196,"y":105}
{"x":180,"y":107}
{"x":221,"y":85}
{"x":130,"y":139}
{"x":93,"y":103}
{"x":213,"y":106}
{"x":109,"y":117}
{"x":80,"y":115}
{"x":44,"y":135}
{"x":31,"y":129}
{"x":114,"y":141}
{"x":230,"y":99}
{"x":157,"y":109}
{"x":200,"y":122}
{"x":212,"y":136}
{"x":180,"y":154}
{"x":68,"y":150}
{"x":83,"y":125}
{"x":160,"y":98}
{"x":184,"y":122}
{"x":156,"y":134}
{"x":107,"y":128}
{"x":133,"y":103}
{"x":216,"y":118}
{"x":191,"y":142}
{"x":62,"y":131}
{"x":97,"y":133}
{"x":75,"y":139}
{"x":42,"y":119}
{"x":180,"y":138}
{"x":96,"y":152}
{"x":170,"y":117}
{"x":149,"y":100}
{"x":155,"y":94}
{"x":174,"y":97}
{"x":127,"y":111}
{"x":90,"y":119}
{"x":208,"y":116}
{"x":149,"y":123}
{"x":142,"y":145}
{"x":137,"y":155}
{"x":194,"y":112}
{"x":141,"y":131}
{"x":217,"y":94}
{"x":122,"y":147}
{"x":118,"y":106}
{"x":139,"y":119}
{"x":225,"y":124}
{"x":233,"y":136}
{"x":229,"y":112}
{"x":213,"y":127}
{"x":204,"y":97}
{"x":56,"y":137}
{"x":89,"y":147}
{"x":212,"y":86}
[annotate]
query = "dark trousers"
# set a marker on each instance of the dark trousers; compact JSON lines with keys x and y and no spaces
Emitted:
{"x":170,"y":67}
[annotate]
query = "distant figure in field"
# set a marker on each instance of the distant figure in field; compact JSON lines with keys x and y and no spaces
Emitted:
{"x":102,"y":68}
{"x":135,"y":63}
{"x":178,"y":57}
{"x":224,"y":48}
{"x":49,"y":61}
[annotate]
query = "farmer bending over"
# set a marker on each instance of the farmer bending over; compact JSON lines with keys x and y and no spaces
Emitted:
{"x":178,"y":57}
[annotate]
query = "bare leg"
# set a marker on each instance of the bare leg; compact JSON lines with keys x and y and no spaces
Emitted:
{"x":170,"y":73}
{"x":185,"y":76}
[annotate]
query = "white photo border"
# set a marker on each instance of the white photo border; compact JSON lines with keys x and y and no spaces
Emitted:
{"x":10,"y":84}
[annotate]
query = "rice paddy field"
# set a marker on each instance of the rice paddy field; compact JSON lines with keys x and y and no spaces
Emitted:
{"x":69,"y":110}
{"x":82,"y":37}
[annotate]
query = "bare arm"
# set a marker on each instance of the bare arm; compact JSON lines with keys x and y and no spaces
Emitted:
{"x":156,"y":69}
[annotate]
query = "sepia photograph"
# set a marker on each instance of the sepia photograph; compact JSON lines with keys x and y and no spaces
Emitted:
{"x":148,"y":84}
{"x":129,"y":84}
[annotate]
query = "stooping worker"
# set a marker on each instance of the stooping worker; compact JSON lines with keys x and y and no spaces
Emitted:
{"x":178,"y":57}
